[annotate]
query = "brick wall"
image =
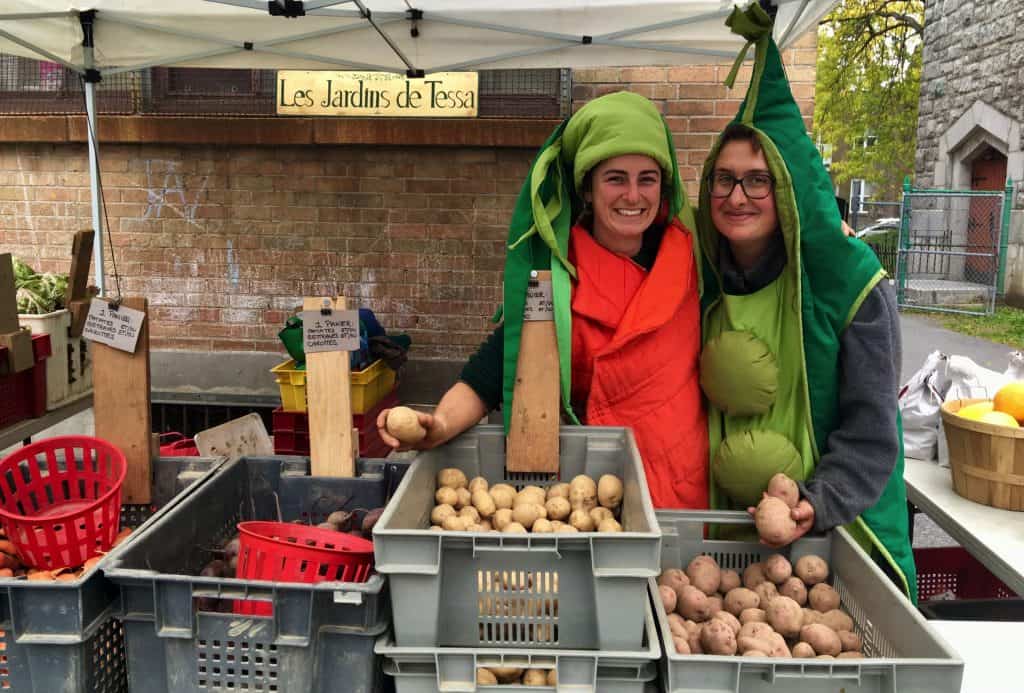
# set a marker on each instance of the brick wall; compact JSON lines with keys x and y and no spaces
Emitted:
{"x":225,"y":240}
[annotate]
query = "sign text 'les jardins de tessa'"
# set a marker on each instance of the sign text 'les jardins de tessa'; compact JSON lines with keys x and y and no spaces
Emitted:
{"x":322,"y":93}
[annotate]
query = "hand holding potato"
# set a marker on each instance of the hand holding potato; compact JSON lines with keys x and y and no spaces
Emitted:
{"x":408,"y":436}
{"x":802,"y":518}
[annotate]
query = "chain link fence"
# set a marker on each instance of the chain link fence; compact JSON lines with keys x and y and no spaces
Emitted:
{"x":31,"y":87}
{"x":951,"y":250}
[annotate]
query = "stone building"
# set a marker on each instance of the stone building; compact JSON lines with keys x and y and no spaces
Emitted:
{"x":969,"y":132}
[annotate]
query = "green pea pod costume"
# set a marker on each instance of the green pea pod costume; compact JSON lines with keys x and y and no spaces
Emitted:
{"x":784,"y":339}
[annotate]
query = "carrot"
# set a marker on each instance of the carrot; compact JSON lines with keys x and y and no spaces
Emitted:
{"x":41,"y":575}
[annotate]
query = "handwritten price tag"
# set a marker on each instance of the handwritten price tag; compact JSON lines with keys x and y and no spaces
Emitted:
{"x":116,"y":327}
{"x":539,"y":303}
{"x":338,"y":331}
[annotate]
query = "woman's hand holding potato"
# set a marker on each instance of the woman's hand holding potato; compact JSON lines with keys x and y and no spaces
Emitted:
{"x":429,"y":430}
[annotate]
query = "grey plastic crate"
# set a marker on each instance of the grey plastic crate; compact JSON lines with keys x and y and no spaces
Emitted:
{"x":62,"y":636}
{"x":905,"y":654}
{"x":462,"y":589}
{"x":432,"y":670}
{"x":319,"y":635}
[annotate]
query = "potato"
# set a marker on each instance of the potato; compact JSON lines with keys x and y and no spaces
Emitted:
{"x":704,"y":574}
{"x":501,"y":518}
{"x":566,"y":529}
{"x":681,"y":644}
{"x":755,"y":629}
{"x":504,"y":487}
{"x":823,"y":597}
{"x":436,"y":528}
{"x":728,"y":618}
{"x":677,"y":625}
{"x":558,"y":508}
{"x":609,"y":491}
{"x":777,"y":568}
{"x":755,"y":653}
{"x":717,"y":637}
{"x":822,"y":638}
{"x":609,"y":525}
{"x":693,"y":641}
{"x":674,"y":578}
{"x":440,"y":512}
{"x":507,"y":674}
{"x":811,"y":616}
{"x":803,"y":651}
{"x":560,"y":490}
{"x":785,"y":616}
{"x":779,"y":648}
{"x":483,"y":503}
{"x":850,"y":641}
{"x":485,"y":677}
{"x":552,"y":677}
{"x":837,"y":620}
{"x":753,"y":575}
{"x":746,"y":643}
{"x":404,"y":423}
{"x":530,"y":494}
{"x":455,"y":523}
{"x":740,"y":599}
{"x":599,"y":514}
{"x":478,"y":483}
{"x":766,"y":591}
{"x":542,"y":526}
{"x":715,"y":604}
{"x":502,"y":498}
{"x":795,"y":589}
{"x":470,"y":512}
{"x":824,"y":657}
{"x":582,"y":493}
{"x":692,"y":627}
{"x":693,"y":604}
{"x":452,"y":477}
{"x":465,"y":498}
{"x":774,"y":522}
{"x":850,"y":655}
{"x":757,"y":615}
{"x":811,"y":569}
{"x":785,"y":489}
{"x":730,"y":581}
{"x":446,"y":496}
{"x":525,"y":514}
{"x":581,"y":520}
{"x":514,"y":528}
{"x":668,"y":598}
{"x":535,"y":677}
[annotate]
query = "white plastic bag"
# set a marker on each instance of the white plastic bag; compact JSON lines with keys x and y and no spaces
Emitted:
{"x":919,"y":401}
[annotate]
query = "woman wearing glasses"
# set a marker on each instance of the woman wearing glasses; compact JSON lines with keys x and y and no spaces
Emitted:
{"x":801,"y":331}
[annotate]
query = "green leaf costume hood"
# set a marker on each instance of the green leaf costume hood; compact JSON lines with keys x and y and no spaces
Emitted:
{"x":799,"y":318}
{"x":551,"y":199}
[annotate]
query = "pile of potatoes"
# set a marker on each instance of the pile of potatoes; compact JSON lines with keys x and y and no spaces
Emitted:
{"x":11,"y":565}
{"x":473,"y":505}
{"x":514,"y":676}
{"x":775,"y":609}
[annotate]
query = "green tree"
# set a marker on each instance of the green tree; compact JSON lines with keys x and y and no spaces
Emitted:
{"x":868,"y":84}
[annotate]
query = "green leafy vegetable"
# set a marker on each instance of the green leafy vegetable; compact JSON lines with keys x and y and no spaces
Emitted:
{"x":38,"y":293}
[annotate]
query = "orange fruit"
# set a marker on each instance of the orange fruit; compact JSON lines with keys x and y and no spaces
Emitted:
{"x":1010,"y":399}
{"x":999,"y":418}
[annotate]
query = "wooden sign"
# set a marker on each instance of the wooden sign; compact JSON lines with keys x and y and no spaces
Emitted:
{"x":322,"y":93}
{"x":329,"y":405}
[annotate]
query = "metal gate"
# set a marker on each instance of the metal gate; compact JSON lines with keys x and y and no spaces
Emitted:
{"x":952,"y":249}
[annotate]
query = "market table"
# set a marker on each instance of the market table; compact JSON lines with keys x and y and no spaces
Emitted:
{"x":995,"y":537}
{"x":23,"y":430}
{"x":989,"y":650}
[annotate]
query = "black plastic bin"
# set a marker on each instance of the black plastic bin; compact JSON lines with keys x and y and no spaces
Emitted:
{"x":974,"y":609}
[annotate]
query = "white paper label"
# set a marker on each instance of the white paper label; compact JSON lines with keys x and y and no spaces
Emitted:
{"x":118,"y":328}
{"x":539,"y":304}
{"x":338,"y":331}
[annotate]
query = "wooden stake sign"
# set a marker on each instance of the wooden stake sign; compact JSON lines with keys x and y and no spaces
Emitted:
{"x":77,"y":297}
{"x":121,"y":406}
{"x":329,"y":404}
{"x":532,"y":444}
{"x":12,"y":336}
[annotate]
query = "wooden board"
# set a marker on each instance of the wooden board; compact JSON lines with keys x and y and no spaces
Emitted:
{"x":121,"y":406}
{"x":532,"y":444}
{"x":8,"y":296}
{"x":78,"y":280}
{"x":329,"y":405}
{"x":241,"y":437}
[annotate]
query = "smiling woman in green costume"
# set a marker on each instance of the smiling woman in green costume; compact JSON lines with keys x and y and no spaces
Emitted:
{"x":800,"y":329}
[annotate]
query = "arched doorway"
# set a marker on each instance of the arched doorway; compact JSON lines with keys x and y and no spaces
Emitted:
{"x":988,"y":172}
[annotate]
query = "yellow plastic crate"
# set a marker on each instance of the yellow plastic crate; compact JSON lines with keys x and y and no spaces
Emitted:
{"x":368,"y":386}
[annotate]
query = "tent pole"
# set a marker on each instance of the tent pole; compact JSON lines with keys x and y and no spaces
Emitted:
{"x":90,"y":79}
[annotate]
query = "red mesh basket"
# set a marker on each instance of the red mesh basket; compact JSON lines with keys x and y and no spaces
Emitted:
{"x":288,"y":552}
{"x":60,"y":499}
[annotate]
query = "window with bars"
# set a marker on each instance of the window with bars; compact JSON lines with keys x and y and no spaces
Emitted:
{"x":33,"y":87}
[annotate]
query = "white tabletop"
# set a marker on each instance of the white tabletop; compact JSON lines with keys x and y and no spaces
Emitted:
{"x":995,"y":537}
{"x":991,"y":653}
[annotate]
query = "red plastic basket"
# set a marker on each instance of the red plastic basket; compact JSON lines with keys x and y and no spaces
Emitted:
{"x":60,"y":499}
{"x":288,"y":552}
{"x":950,"y":572}
{"x":176,"y":444}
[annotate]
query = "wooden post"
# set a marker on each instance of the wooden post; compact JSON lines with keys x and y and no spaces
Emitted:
{"x":17,"y":340}
{"x":532,"y":444}
{"x":77,"y":297}
{"x":329,"y":405}
{"x":121,"y":406}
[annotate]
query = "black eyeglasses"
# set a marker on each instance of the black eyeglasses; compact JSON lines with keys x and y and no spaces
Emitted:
{"x":756,"y":186}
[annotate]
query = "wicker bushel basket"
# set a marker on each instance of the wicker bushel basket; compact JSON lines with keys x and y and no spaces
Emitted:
{"x":987,"y":460}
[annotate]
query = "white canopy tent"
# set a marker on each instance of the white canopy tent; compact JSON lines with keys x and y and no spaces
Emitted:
{"x":106,"y":37}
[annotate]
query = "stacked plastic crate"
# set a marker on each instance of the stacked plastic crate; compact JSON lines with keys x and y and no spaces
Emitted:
{"x":574,"y":606}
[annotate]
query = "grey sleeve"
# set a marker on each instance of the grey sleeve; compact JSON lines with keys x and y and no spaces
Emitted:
{"x":860,"y":454}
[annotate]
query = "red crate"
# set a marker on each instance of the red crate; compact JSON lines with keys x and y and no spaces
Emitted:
{"x":291,"y":430}
{"x":950,"y":572}
{"x":23,"y":395}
